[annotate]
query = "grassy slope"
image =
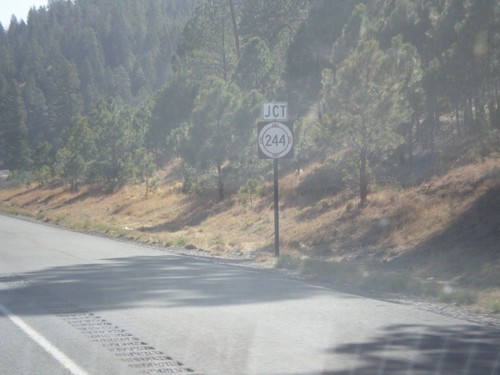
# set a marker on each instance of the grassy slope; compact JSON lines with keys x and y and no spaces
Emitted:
{"x":445,"y":228}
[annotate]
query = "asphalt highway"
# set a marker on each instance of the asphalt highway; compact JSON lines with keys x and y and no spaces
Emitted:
{"x":72,"y":303}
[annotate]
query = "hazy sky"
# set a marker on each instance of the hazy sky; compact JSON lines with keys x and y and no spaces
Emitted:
{"x":18,"y":7}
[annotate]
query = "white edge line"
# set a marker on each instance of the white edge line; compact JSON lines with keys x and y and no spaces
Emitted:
{"x":62,"y":358}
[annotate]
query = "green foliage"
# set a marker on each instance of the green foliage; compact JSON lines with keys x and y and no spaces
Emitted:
{"x":458,"y":296}
{"x":171,"y":107}
{"x":74,"y":160}
{"x":309,"y":52}
{"x":255,"y":68}
{"x":142,"y":158}
{"x":366,"y":103}
{"x":251,"y":189}
{"x":354,"y":31}
{"x":207,"y":44}
{"x":289,"y":262}
{"x":112,"y":159}
{"x":274,"y":22}
{"x":70,"y":54}
{"x":43,"y":161}
{"x":14,"y":145}
{"x":494,"y":306}
{"x":66,"y":101}
{"x":365,"y":80}
{"x":220,"y":128}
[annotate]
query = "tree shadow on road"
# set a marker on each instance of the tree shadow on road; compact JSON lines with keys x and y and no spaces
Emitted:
{"x":163,"y":280}
{"x":423,"y":349}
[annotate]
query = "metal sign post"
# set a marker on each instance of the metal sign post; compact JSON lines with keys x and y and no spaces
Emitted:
{"x":276,"y":212}
{"x":275,"y":139}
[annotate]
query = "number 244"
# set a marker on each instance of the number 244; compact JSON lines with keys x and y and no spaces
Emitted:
{"x":275,"y":141}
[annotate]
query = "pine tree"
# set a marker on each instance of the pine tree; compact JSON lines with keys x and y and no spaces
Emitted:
{"x":13,"y":129}
{"x":43,"y":163}
{"x":219,"y":131}
{"x":255,"y":68}
{"x":67,"y":99}
{"x":206,"y":47}
{"x":112,"y":158}
{"x":172,"y":107}
{"x":365,"y":104}
{"x":75,"y":158}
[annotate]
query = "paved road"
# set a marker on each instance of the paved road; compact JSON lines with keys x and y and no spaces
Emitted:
{"x":76,"y":304}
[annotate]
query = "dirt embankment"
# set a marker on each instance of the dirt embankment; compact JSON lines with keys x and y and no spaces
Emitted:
{"x":445,"y":228}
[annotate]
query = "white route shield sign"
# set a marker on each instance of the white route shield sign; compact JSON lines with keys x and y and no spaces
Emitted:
{"x":275,"y":140}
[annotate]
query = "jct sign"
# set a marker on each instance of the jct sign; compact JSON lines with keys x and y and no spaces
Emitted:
{"x":275,"y":111}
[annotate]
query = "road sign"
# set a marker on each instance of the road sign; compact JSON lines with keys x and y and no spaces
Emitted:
{"x":274,"y":111}
{"x":275,"y":140}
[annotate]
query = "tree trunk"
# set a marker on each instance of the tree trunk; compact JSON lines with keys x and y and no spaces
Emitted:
{"x":235,"y":28}
{"x":410,"y":139}
{"x":363,"y":180}
{"x":402,"y":154}
{"x":478,"y":107}
{"x":468,"y":116}
{"x":432,"y":126}
{"x":224,"y":58}
{"x":220,"y":182}
{"x":497,"y":100}
{"x":457,"y":118}
{"x":419,"y":133}
{"x":74,"y":184}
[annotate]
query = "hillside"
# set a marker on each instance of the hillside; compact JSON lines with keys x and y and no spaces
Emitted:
{"x":444,"y":228}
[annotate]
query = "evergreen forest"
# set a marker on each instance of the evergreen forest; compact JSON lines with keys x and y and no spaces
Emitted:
{"x":106,"y":92}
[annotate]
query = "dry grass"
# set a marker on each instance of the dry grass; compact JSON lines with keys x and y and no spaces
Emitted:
{"x":314,"y":223}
